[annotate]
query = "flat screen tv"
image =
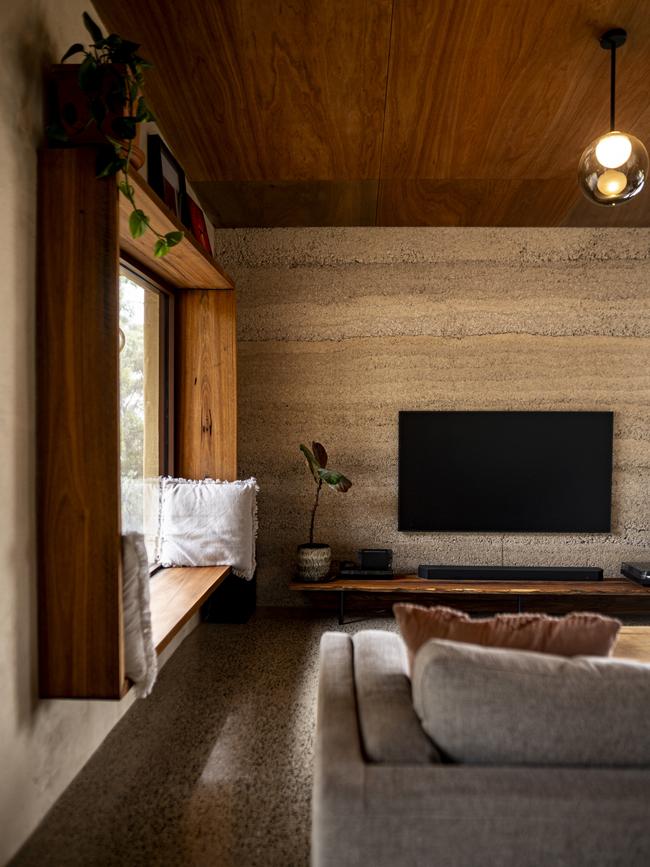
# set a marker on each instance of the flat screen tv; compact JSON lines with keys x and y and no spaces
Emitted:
{"x":510,"y":472}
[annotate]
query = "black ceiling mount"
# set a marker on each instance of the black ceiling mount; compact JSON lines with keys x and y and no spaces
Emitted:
{"x":613,"y":38}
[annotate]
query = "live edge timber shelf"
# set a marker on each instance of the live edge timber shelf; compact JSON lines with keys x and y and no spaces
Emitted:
{"x":186,"y":266}
{"x":615,"y":595}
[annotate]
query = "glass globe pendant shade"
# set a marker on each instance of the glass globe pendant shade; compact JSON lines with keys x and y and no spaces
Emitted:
{"x":613,"y":168}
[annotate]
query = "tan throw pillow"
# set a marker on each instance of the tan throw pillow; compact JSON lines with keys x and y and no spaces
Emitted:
{"x":578,"y":634}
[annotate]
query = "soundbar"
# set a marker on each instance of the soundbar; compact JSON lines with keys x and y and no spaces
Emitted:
{"x":510,"y":573}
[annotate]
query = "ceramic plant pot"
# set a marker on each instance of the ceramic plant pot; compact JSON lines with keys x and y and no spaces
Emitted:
{"x":314,"y":562}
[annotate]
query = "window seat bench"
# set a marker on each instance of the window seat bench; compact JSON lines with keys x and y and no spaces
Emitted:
{"x":176,"y":594}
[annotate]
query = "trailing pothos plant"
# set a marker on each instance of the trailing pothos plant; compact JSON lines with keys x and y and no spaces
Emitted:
{"x":111,"y":75}
{"x":317,"y":461}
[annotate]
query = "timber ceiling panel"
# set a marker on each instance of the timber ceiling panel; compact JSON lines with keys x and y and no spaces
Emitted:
{"x":394,"y":112}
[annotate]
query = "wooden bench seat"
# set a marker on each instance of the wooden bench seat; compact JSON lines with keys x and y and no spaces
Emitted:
{"x":177,"y":594}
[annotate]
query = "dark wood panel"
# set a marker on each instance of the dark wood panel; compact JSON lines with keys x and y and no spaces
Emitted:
{"x":237,"y":204}
{"x":206,"y":384}
{"x":468,"y":112}
{"x":246,"y":90}
{"x":501,"y":89}
{"x":505,"y":202}
{"x":80,"y":584}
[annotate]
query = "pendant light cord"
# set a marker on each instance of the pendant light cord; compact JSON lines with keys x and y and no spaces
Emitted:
{"x":612,"y":91}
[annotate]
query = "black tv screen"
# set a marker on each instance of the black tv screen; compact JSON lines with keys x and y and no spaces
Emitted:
{"x":516,"y":472}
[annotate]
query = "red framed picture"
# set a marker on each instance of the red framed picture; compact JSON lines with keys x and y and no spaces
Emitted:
{"x":196,"y":222}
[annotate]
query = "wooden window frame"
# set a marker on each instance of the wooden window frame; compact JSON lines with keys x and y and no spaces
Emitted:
{"x":82,"y":234}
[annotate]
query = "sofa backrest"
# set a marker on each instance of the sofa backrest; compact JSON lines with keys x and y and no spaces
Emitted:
{"x":390,"y":729}
{"x":488,"y":705}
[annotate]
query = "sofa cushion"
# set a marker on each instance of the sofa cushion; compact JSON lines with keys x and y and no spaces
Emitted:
{"x":390,"y":728}
{"x":577,"y":634}
{"x":497,"y":706}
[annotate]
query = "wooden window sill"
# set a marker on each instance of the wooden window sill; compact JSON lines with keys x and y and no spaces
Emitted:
{"x":176,"y":594}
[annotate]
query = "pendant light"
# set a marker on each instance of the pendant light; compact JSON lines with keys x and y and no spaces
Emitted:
{"x":613,"y":168}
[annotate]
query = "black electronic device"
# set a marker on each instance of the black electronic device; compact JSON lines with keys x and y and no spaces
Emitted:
{"x":510,"y":573}
{"x":639,"y":572}
{"x":376,"y":558}
{"x":505,"y":472}
{"x":357,"y":572}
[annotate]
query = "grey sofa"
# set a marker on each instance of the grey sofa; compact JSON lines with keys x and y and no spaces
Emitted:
{"x":383,"y":795}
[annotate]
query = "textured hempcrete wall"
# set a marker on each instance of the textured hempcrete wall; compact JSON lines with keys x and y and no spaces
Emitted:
{"x":341,"y":328}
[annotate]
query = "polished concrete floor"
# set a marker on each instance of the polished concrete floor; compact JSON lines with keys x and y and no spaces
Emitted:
{"x":214,"y":768}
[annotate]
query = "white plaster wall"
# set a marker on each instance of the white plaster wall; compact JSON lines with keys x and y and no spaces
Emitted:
{"x":42,"y":743}
{"x":339,"y":329}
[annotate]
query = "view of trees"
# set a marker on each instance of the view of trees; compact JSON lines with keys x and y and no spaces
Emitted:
{"x":132,"y":402}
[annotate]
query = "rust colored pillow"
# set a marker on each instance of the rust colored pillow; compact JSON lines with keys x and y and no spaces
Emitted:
{"x":580,"y":634}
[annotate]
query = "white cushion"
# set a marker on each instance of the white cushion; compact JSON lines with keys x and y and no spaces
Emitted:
{"x":209,"y":523}
{"x":140,"y":659}
{"x":488,"y":705}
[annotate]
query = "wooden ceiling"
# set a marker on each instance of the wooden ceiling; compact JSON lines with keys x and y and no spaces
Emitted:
{"x":391,"y":112}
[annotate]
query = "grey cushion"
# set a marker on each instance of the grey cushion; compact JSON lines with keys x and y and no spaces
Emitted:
{"x":390,"y":728}
{"x":489,"y":705}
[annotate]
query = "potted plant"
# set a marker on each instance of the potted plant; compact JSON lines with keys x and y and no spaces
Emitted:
{"x":314,"y":558}
{"x":99,"y":102}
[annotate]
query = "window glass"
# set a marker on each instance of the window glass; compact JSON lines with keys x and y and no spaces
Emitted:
{"x":140,"y":408}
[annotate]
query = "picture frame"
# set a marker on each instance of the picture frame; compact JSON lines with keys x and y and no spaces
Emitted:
{"x":194,"y":219}
{"x":165,"y":175}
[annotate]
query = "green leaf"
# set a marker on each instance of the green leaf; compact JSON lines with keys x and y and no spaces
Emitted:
{"x":313,"y":464}
{"x":98,"y":111}
{"x":77,"y":48}
{"x":126,"y":188}
{"x":138,"y":223}
{"x":141,"y":63}
{"x":174,"y":238}
{"x":116,"y":144}
{"x":88,"y":76}
{"x":335,"y":480}
{"x":319,"y":453}
{"x":55,"y":132}
{"x":124,"y":127}
{"x":111,"y":167}
{"x":143,"y":112}
{"x":160,"y":248}
{"x":92,"y":28}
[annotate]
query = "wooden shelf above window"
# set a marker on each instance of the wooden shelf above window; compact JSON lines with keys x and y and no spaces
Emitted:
{"x":176,"y":594}
{"x":186,"y":266}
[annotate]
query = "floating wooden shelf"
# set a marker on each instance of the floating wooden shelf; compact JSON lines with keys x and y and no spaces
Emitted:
{"x":176,"y":594}
{"x":186,"y":266}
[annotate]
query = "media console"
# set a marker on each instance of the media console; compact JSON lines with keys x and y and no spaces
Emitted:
{"x":510,"y":573}
{"x":617,"y":596}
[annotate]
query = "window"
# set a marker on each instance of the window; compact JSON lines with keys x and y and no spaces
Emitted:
{"x":144,"y":403}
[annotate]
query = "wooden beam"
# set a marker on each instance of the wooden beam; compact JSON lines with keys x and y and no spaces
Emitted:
{"x":206,"y":385}
{"x":78,"y":488}
{"x":186,"y":266}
